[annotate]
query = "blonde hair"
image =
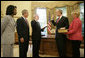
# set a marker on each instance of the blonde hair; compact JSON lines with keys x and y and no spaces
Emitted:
{"x":77,"y":13}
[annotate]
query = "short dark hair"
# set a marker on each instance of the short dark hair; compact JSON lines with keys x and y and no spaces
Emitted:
{"x":9,"y":10}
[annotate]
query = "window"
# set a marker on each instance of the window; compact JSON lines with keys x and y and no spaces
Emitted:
{"x":42,"y":19}
{"x":82,"y":16}
{"x":64,"y":10}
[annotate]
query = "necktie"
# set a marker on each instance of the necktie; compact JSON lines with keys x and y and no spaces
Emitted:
{"x":58,"y":19}
{"x":26,"y":21}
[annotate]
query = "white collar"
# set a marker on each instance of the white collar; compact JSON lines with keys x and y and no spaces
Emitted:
{"x":60,"y":16}
{"x":24,"y":17}
{"x":36,"y":20}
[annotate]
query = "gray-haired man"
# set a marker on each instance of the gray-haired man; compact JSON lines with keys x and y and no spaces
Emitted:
{"x":61,"y":23}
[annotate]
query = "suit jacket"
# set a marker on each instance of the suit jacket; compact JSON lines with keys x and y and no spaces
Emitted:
{"x":75,"y":30}
{"x":36,"y":30}
{"x":22,"y":29}
{"x":63,"y":22}
{"x":7,"y":30}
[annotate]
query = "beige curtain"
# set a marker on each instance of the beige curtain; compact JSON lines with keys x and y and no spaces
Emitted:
{"x":53,"y":12}
{"x":33,"y":12}
{"x":48,"y":11}
{"x":71,"y":9}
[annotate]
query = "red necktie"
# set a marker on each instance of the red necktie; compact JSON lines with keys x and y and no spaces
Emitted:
{"x":26,"y":21}
{"x":58,"y":19}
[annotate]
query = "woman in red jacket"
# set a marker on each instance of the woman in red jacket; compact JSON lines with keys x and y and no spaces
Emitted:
{"x":75,"y":34}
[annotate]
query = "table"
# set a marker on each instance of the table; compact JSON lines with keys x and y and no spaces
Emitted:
{"x":48,"y":46}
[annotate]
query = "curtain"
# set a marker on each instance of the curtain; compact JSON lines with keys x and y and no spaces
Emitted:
{"x":71,"y":9}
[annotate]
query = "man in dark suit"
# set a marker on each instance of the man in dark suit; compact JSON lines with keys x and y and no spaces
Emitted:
{"x":36,"y":35}
{"x":23,"y":33}
{"x":61,"y":22}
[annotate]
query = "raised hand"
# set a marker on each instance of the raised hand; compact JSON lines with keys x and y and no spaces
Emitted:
{"x":52,"y":17}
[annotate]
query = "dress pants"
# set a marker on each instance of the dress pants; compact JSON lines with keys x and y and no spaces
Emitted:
{"x":75,"y":48}
{"x":7,"y":50}
{"x":23,"y":48}
{"x":61,"y":46}
{"x":36,"y":47}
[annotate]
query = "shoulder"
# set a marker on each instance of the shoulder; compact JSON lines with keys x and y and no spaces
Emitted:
{"x":33,"y":21}
{"x":20,"y":19}
{"x":7,"y":17}
{"x":78,"y":20}
{"x":64,"y":17}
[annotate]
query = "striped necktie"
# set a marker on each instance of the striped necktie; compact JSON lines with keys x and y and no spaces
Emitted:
{"x":26,"y":22}
{"x":58,"y":19}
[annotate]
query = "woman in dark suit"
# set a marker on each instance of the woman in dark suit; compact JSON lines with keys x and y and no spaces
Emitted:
{"x":75,"y":34}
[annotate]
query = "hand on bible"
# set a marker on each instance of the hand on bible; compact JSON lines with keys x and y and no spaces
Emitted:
{"x":63,"y":28}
